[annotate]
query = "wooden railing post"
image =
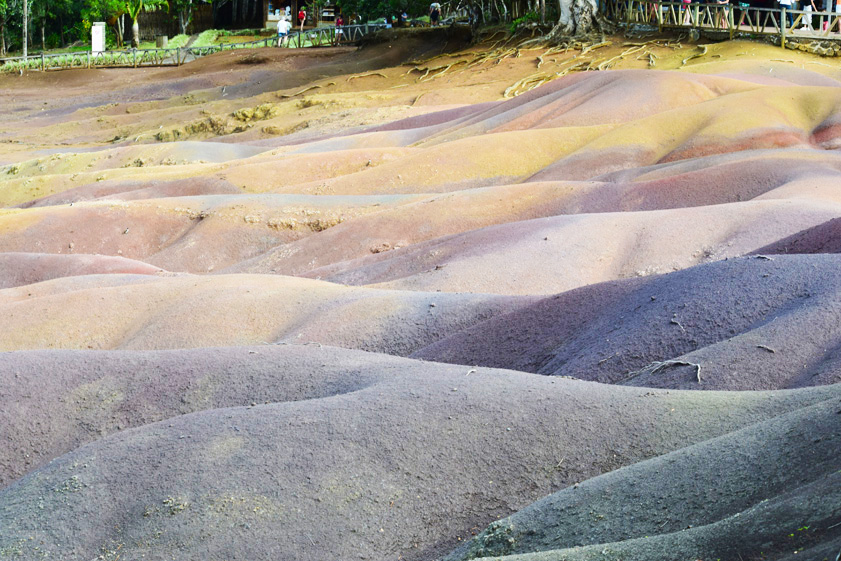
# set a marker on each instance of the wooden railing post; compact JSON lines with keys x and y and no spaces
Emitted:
{"x":783,"y":29}
{"x":659,"y":9}
{"x":696,"y":9}
{"x":730,"y":18}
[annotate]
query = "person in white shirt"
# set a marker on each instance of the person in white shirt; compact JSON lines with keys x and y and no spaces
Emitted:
{"x":283,"y":27}
{"x":789,"y":16}
{"x":434,"y":13}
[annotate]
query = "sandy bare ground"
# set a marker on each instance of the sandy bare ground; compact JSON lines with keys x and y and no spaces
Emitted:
{"x":368,"y":304}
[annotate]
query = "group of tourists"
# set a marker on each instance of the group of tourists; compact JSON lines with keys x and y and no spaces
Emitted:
{"x":284,"y":26}
{"x":809,"y":6}
{"x":722,"y":14}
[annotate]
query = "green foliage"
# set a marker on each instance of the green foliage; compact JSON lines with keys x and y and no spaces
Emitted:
{"x":206,"y":38}
{"x":370,"y":10}
{"x":178,"y":41}
{"x":134,"y":7}
{"x":529,"y":16}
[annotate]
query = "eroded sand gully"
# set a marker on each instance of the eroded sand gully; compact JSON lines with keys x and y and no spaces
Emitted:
{"x":360,"y":304}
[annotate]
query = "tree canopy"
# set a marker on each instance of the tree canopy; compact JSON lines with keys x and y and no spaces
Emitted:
{"x":57,"y":23}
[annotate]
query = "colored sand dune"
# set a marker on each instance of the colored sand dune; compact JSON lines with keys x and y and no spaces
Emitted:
{"x":363,"y":304}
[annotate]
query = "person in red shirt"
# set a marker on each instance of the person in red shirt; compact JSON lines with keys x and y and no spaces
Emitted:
{"x":302,"y":17}
{"x":339,"y":31}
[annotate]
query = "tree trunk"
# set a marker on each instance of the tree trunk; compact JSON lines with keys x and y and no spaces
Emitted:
{"x":118,"y":32}
{"x":503,"y":14}
{"x":135,"y":34}
{"x":579,"y":18}
{"x":542,"y":11}
{"x":43,"y":42}
{"x":234,"y":11}
{"x":185,"y":16}
{"x":25,"y":27}
{"x":2,"y":37}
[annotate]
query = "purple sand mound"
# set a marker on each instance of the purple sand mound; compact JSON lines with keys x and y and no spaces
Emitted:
{"x":406,"y":456}
{"x":823,"y":238}
{"x":20,"y":269}
{"x":725,"y":498}
{"x":137,"y":190}
{"x":749,"y":323}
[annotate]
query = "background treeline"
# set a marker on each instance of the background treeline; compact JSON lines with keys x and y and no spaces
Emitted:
{"x":61,"y":23}
{"x":492,"y":11}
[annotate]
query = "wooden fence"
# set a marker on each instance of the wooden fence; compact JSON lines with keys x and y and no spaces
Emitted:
{"x":727,"y":18}
{"x":134,"y":58}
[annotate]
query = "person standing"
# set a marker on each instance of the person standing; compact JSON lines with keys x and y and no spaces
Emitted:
{"x":340,"y":22}
{"x":836,"y":6}
{"x":807,"y":17}
{"x":722,"y":15}
{"x":283,"y":27}
{"x":434,"y":13}
{"x":786,"y":4}
{"x":302,"y":17}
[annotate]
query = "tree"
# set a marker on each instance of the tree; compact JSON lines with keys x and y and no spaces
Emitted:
{"x":184,"y":9}
{"x":374,"y":9}
{"x":111,"y":11}
{"x":4,"y":11}
{"x":40,"y":12}
{"x":579,"y":17}
{"x":25,"y":27}
{"x":133,"y":9}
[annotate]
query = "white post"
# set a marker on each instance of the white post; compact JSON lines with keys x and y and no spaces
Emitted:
{"x":98,"y":37}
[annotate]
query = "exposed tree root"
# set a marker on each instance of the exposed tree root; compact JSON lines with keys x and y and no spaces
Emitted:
{"x":366,"y":75}
{"x":535,"y":80}
{"x":315,"y":87}
{"x":435,"y":71}
{"x":599,"y":45}
{"x":696,"y":55}
{"x":609,"y":63}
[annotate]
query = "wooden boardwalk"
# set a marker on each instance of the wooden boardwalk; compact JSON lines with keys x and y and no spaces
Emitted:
{"x":734,"y":20}
{"x":134,"y":58}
